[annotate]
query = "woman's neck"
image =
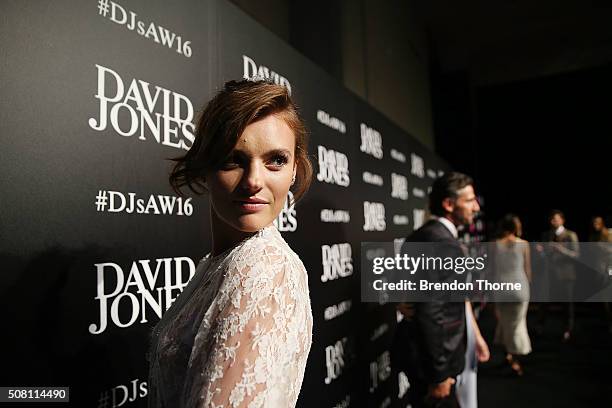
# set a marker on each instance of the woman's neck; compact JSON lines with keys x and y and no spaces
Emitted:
{"x":224,"y":236}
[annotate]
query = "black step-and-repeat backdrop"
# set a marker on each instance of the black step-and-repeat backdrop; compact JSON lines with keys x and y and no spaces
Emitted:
{"x":95,"y":96}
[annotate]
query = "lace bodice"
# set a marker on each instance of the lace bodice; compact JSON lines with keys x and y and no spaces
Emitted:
{"x":239,"y":334}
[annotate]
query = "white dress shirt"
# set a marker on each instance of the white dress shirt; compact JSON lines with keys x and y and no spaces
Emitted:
{"x":449,"y":225}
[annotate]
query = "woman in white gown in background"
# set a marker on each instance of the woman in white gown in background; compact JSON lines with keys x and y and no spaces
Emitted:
{"x":512,"y":264}
{"x":240,"y":333}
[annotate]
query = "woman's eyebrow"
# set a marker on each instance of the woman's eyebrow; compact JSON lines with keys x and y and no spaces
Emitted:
{"x":275,"y":152}
{"x":270,"y":153}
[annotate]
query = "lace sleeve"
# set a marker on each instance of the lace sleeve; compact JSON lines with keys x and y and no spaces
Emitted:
{"x":260,"y":333}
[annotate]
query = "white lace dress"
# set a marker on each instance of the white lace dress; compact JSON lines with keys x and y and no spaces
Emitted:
{"x":239,"y":334}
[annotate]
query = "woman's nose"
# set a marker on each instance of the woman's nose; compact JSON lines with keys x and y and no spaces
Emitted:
{"x":252,"y":180}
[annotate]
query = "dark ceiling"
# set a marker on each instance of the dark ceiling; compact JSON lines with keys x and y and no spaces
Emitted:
{"x":502,"y":41}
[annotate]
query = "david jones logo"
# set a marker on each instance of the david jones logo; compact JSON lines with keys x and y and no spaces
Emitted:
{"x":337,"y":261}
{"x":399,"y":186}
{"x":371,"y":141}
{"x":374,"y":216}
{"x":333,"y":167}
{"x":124,"y":301}
{"x":417,"y":165}
{"x":250,"y":70}
{"x":143,"y":110}
{"x":334,"y":359}
{"x":287,"y":218}
{"x":418,"y":218}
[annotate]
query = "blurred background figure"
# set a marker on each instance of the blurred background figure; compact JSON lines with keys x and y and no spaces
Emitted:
{"x":562,"y":251}
{"x":512,"y":264}
{"x":598,"y":232}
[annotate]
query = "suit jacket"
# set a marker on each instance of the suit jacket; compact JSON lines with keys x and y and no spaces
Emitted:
{"x":431,"y":346}
{"x":560,"y":264}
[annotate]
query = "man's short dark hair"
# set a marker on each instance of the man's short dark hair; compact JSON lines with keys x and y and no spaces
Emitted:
{"x":447,"y":186}
{"x":556,"y":212}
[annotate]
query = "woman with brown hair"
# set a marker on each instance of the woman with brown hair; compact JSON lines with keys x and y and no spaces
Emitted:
{"x":512,"y":264}
{"x":240,"y":333}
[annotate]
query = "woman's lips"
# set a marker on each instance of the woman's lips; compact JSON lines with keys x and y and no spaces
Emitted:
{"x":251,"y":205}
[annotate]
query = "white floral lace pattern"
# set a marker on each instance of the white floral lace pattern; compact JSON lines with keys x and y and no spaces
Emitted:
{"x":240,"y":333}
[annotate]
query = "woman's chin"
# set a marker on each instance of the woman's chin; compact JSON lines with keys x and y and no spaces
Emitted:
{"x":252,"y":223}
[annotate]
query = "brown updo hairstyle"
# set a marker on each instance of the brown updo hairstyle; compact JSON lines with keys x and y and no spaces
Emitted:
{"x":225,"y":117}
{"x":510,"y":224}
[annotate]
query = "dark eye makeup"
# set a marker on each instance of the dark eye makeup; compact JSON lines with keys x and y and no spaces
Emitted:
{"x":279,"y":159}
{"x":275,"y":159}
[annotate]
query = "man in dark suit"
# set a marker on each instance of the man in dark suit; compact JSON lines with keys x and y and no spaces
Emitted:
{"x":430,"y":342}
{"x":561,"y":252}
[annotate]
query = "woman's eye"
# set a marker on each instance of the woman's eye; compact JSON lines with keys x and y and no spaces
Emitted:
{"x":278,"y":161}
{"x":230,"y":163}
